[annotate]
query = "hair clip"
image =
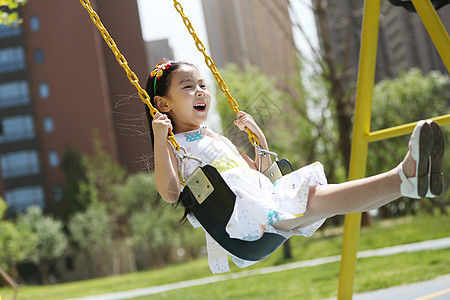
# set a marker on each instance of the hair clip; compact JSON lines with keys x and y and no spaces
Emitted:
{"x":159,"y":68}
{"x":158,"y":71}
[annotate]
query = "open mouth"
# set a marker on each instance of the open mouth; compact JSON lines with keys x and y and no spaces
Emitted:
{"x":200,"y":107}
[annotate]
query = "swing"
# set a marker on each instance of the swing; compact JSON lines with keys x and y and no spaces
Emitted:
{"x":205,"y":193}
{"x":409,"y":6}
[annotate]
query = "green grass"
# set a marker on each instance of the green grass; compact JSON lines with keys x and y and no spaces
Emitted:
{"x":321,"y":282}
{"x":309,"y":283}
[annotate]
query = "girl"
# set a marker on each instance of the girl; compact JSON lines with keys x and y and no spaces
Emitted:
{"x":298,"y":203}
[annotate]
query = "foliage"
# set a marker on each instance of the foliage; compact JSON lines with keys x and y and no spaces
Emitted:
{"x":3,"y":207}
{"x":102,"y":175}
{"x":9,"y":11}
{"x":154,"y":224}
{"x":410,"y":97}
{"x":51,"y":240}
{"x":16,"y":242}
{"x":280,"y":116}
{"x":91,"y":229}
{"x":75,"y":174}
{"x":96,"y":193}
{"x":98,"y":221}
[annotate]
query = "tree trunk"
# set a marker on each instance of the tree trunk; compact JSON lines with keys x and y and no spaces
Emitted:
{"x":287,"y":253}
{"x":43,"y":272}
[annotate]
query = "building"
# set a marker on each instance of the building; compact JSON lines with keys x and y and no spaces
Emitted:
{"x":156,"y":50}
{"x":403,"y":41}
{"x":60,"y":83}
{"x":251,"y":32}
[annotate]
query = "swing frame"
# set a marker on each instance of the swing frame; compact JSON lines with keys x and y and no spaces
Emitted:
{"x":362,"y":135}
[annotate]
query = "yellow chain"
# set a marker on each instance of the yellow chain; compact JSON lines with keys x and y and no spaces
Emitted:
{"x":209,"y":62}
{"x":123,"y":62}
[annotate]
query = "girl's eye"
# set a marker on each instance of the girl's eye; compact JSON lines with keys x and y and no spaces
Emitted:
{"x":188,"y":87}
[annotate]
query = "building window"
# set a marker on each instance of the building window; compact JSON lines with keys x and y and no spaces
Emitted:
{"x":9,"y":30}
{"x":12,"y":59}
{"x":53,"y":159}
{"x":21,"y":163}
{"x":20,"y":199}
{"x":17,"y":128}
{"x":44,"y":90}
{"x":38,"y":56}
{"x":57,"y":193}
{"x":14,"y":93}
{"x":35,"y":23}
{"x":48,"y":124}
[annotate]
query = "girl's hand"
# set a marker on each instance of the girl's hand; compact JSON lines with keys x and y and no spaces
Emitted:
{"x":244,"y":120}
{"x":161,"y":125}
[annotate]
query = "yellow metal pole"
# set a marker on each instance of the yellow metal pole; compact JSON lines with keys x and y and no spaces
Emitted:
{"x":364,"y":94}
{"x":435,"y":28}
{"x":395,"y":131}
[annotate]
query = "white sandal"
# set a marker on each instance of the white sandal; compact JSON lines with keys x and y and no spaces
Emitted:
{"x":420,"y":145}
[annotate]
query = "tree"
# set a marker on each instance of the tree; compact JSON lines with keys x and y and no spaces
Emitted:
{"x":74,"y":174}
{"x":102,"y":175}
{"x":51,"y":240}
{"x":154,"y":224}
{"x":9,"y":11}
{"x":91,"y":230}
{"x":16,"y":242}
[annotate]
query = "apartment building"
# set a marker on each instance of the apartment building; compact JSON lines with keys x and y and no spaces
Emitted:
{"x":60,"y":86}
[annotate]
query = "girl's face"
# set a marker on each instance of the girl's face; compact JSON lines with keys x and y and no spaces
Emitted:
{"x":188,"y":100}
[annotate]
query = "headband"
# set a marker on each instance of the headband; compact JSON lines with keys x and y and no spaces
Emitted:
{"x":158,"y":71}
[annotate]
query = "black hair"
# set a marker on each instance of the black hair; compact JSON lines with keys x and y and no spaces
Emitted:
{"x":162,"y":88}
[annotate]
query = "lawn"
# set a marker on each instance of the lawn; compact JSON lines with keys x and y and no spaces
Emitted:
{"x":307,"y":283}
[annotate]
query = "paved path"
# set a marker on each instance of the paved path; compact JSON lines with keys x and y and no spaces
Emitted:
{"x":414,"y":247}
{"x":436,"y":289}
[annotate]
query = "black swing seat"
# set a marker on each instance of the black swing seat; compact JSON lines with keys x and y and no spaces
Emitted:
{"x":215,"y":211}
{"x":409,"y":6}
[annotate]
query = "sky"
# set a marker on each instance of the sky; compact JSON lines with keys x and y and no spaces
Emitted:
{"x":160,"y":20}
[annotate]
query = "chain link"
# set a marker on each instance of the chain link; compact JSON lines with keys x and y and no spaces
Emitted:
{"x":124,"y":64}
{"x":210,"y":63}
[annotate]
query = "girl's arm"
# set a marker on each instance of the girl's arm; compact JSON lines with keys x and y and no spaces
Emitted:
{"x":166,"y":165}
{"x":243,"y":121}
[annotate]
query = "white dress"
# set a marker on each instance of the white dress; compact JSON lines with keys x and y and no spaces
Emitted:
{"x":259,"y":203}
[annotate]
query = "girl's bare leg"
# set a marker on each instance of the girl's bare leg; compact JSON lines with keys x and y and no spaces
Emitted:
{"x":352,"y":196}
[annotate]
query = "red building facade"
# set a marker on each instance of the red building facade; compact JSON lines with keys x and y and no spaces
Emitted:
{"x":60,"y":83}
